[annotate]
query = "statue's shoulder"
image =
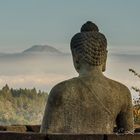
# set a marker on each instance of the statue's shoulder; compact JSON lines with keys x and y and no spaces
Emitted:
{"x":64,"y":87}
{"x":123,"y":89}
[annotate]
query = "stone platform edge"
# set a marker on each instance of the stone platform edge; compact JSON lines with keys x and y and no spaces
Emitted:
{"x":5,"y":135}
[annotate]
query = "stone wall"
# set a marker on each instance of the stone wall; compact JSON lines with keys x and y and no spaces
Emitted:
{"x":31,"y":132}
{"x":37,"y":136}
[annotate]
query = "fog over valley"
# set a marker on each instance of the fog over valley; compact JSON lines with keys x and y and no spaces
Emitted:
{"x":43,"y":66}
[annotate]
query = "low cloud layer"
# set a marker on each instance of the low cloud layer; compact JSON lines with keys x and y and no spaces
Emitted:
{"x":40,"y":70}
{"x":43,"y":71}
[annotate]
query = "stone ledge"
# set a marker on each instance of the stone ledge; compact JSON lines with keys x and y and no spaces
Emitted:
{"x":37,"y":136}
{"x":21,"y":128}
{"x":32,"y":128}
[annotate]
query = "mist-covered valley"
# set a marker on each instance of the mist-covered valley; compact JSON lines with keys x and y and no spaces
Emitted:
{"x":42,"y":66}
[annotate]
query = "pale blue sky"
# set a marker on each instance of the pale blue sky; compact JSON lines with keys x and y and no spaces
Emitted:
{"x":24,"y":23}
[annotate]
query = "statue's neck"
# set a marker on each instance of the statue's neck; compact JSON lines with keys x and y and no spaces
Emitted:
{"x":91,"y":71}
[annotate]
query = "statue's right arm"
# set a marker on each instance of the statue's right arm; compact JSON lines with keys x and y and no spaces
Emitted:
{"x":52,"y":119}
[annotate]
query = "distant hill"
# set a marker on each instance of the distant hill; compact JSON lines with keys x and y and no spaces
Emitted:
{"x":42,"y":49}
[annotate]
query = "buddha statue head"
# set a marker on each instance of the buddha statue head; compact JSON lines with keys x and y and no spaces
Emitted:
{"x":89,"y":47}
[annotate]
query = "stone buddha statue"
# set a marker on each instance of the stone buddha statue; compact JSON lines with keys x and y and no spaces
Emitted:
{"x":91,"y":102}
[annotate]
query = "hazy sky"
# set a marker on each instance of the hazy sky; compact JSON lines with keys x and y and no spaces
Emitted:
{"x":24,"y":23}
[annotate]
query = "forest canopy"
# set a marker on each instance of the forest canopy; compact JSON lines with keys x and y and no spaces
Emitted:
{"x":21,"y":106}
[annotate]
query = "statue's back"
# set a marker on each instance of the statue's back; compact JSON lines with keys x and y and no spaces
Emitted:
{"x":84,"y":105}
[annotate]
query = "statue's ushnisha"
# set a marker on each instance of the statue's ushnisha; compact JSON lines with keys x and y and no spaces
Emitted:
{"x":89,"y":103}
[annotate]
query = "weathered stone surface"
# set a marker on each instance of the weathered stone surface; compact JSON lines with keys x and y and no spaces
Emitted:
{"x":16,"y":128}
{"x":123,"y":137}
{"x":3,"y":128}
{"x":21,"y":128}
{"x":33,"y":128}
{"x":37,"y":136}
{"x":21,"y":136}
{"x":90,"y":103}
{"x":75,"y":137}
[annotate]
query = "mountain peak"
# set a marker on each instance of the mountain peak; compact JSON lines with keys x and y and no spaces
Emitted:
{"x":41,"y":49}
